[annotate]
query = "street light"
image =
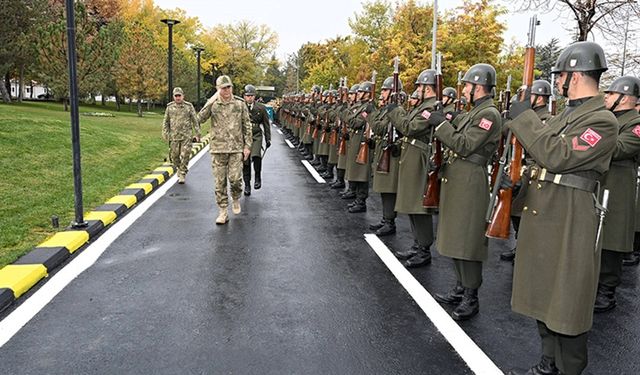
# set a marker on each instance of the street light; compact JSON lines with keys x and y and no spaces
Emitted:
{"x":170,"y":23}
{"x":75,"y":119}
{"x":198,"y":52}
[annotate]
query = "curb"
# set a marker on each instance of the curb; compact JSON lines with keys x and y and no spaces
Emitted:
{"x":20,"y":276}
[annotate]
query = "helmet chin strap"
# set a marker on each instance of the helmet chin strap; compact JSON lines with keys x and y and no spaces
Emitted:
{"x":473,"y":89}
{"x":565,"y":86}
{"x":616,"y":103}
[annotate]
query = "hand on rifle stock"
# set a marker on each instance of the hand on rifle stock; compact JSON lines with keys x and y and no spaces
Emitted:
{"x":519,"y":106}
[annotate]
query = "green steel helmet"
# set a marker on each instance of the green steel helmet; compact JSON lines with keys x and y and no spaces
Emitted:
{"x":223,"y":81}
{"x":626,"y":85}
{"x":415,"y":94}
{"x":481,"y":74}
{"x":315,"y":89}
{"x":581,"y":57}
{"x":450,"y":92}
{"x":366,"y":86}
{"x":541,"y":87}
{"x":333,"y":92}
{"x":354,"y":89}
{"x":426,"y":77}
{"x":325,"y":93}
{"x":388,"y":84}
{"x":250,"y":90}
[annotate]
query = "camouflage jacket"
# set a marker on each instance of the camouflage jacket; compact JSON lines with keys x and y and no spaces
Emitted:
{"x":230,"y":125}
{"x":180,"y":120}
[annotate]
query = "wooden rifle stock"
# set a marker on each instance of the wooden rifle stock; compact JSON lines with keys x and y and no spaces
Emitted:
{"x":431,"y":198}
{"x":363,"y":152}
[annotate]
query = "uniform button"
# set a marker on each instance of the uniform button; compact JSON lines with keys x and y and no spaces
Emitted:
{"x":444,"y":180}
{"x":539,"y":186}
{"x":562,"y":135}
{"x":525,"y":208}
{"x":534,"y":212}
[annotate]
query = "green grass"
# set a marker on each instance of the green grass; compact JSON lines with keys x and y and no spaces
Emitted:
{"x":37,"y":173}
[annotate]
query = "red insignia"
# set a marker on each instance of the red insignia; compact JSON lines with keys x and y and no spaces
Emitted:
{"x":448,"y":116}
{"x":365,"y":114}
{"x":591,"y":137}
{"x":577,"y":146}
{"x":636,"y":130}
{"x":426,"y":114}
{"x":485,"y":124}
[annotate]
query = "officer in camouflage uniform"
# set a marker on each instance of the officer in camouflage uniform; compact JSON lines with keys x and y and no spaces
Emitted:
{"x":540,"y":93}
{"x":260,"y":128}
{"x":230,"y":143}
{"x":619,"y":226}
{"x":472,"y":140}
{"x":179,"y":125}
{"x":556,"y":269}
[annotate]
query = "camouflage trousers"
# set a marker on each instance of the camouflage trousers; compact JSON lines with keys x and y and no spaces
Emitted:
{"x":179,"y":153}
{"x":227,"y":167}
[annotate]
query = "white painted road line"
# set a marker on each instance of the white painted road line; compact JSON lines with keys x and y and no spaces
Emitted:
{"x":279,"y":131}
{"x":475,"y":358}
{"x":10,"y":325}
{"x":313,"y":172}
{"x":289,"y":143}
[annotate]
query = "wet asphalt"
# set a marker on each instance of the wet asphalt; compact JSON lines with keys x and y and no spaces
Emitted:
{"x":289,"y":286}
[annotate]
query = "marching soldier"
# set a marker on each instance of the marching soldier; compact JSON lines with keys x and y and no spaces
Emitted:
{"x":231,"y":139}
{"x":464,"y":196}
{"x":358,"y":174}
{"x":385,"y":183}
{"x":619,"y":225}
{"x":413,"y":169}
{"x":179,"y":125}
{"x":555,"y":275}
{"x":259,"y":117}
{"x":540,"y":93}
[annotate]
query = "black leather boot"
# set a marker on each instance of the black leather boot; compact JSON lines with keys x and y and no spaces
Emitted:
{"x":631,"y":259}
{"x":377,"y":226}
{"x":257,"y":168}
{"x":422,"y":258}
{"x":338,"y":185}
{"x":469,"y":307}
{"x":387,"y":229}
{"x":509,"y":255}
{"x":360,"y":206}
{"x":406,"y":254}
{"x":605,"y":299}
{"x":547,"y":366}
{"x":452,"y":297}
{"x":349,"y":194}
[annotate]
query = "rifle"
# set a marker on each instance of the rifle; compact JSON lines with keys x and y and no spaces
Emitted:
{"x":385,"y":160}
{"x":459,"y":105}
{"x":500,"y":221}
{"x":315,"y":128}
{"x":333,"y":138}
{"x":363,"y":152}
{"x":495,"y":169}
{"x":501,"y":102}
{"x":432,"y":190}
{"x":323,"y":138}
{"x":553,"y":104}
{"x":342,"y":149}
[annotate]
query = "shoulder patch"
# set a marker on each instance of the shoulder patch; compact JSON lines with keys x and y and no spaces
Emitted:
{"x":425,"y":114}
{"x":577,"y":146}
{"x":364,"y":114}
{"x":636,"y":131}
{"x":591,"y":137}
{"x":485,"y":124}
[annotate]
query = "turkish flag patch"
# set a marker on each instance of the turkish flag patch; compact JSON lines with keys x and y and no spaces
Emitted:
{"x":591,"y":137}
{"x":636,"y":130}
{"x":485,"y":124}
{"x":425,"y":114}
{"x":365,"y":114}
{"x":448,"y":116}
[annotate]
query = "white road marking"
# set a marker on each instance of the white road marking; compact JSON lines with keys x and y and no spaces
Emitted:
{"x":10,"y":325}
{"x":289,"y":143}
{"x":313,"y":172}
{"x":475,"y":358}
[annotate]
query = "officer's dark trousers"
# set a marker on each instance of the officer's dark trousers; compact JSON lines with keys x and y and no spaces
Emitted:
{"x":340,"y":174}
{"x":468,"y":272}
{"x":569,"y":352}
{"x":388,"y":205}
{"x":361,"y":189}
{"x":422,"y":228}
{"x":257,"y":168}
{"x":610,"y":268}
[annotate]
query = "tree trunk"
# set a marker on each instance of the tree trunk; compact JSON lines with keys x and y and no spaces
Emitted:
{"x":139,"y":107}
{"x":5,"y":89}
{"x":130,"y":106}
{"x":21,"y":84}
{"x":66,"y":104}
{"x":103,"y":100}
{"x":117,"y":102}
{"x":148,"y":105}
{"x":31,"y":90}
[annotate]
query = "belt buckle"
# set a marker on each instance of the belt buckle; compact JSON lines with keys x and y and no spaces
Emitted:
{"x":534,"y":173}
{"x":543,"y":174}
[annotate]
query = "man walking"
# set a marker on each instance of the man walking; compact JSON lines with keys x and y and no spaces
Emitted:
{"x":259,"y":116}
{"x":180,"y":122}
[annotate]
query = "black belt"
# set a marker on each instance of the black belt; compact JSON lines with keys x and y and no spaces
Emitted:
{"x":477,"y":159}
{"x":568,"y":180}
{"x":415,"y":142}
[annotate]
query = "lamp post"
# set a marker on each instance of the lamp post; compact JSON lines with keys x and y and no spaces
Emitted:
{"x":75,"y":119}
{"x":198,"y":52}
{"x":170,"y":22}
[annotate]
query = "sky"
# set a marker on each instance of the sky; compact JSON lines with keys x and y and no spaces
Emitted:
{"x":298,"y":22}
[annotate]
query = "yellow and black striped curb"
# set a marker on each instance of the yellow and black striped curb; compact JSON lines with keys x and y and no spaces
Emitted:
{"x":17,"y":278}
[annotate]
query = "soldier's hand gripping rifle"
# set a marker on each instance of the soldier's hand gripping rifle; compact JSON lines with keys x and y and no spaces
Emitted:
{"x":505,"y":99}
{"x":342,"y":149}
{"x":500,"y":221}
{"x":363,"y":152}
{"x":553,"y":101}
{"x":385,"y":159}
{"x":431,"y":199}
{"x":325,"y":128}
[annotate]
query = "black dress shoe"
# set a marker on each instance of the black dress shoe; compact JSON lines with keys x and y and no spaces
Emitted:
{"x":247,"y":192}
{"x":421,"y":259}
{"x":321,"y":169}
{"x":468,"y":307}
{"x":605,"y":299}
{"x":631,"y":259}
{"x":354,"y":203}
{"x":348,"y":194}
{"x":358,"y":208}
{"x":387,"y":229}
{"x":452,"y":297}
{"x":338,"y":185}
{"x":406,"y":254}
{"x":509,"y":255}
{"x":377,"y":226}
{"x":257,"y":185}
{"x":547,"y":366}
{"x":315,"y":162}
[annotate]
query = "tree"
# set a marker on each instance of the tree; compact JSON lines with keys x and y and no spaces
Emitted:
{"x":373,"y":24}
{"x":546,"y":57}
{"x":274,"y":76}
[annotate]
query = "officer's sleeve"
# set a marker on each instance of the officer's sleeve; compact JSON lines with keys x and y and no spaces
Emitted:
{"x":246,"y":127}
{"x":560,"y":153}
{"x":265,"y":123}
{"x":359,"y":121}
{"x":205,"y":112}
{"x":486,"y":124}
{"x":397,"y":116}
{"x":166,"y":124}
{"x":194,"y":121}
{"x":628,"y":144}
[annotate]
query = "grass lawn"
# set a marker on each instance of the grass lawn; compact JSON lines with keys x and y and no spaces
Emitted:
{"x":36,"y":160}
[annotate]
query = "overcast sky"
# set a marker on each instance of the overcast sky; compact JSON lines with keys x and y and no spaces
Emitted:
{"x":298,"y":22}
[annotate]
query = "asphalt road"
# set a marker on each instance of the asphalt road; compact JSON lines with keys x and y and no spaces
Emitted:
{"x":289,"y":286}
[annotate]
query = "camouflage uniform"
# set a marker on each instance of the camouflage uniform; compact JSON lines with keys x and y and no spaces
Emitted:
{"x":231,"y":133}
{"x":180,"y":122}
